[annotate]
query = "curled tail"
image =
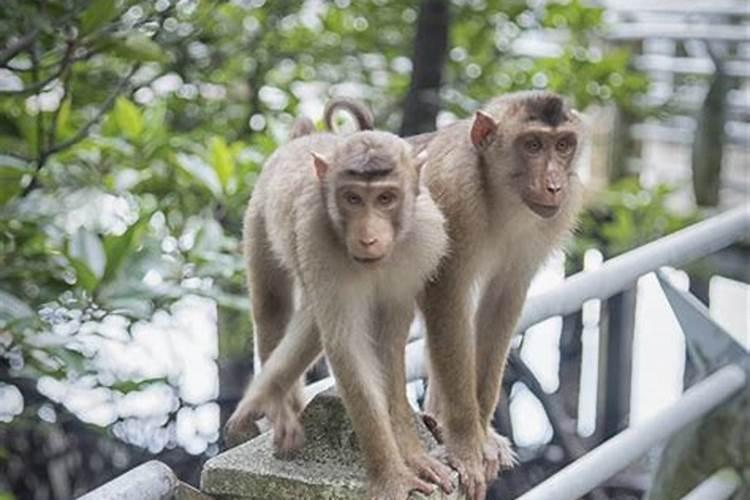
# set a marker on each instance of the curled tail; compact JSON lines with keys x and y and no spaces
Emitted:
{"x":357,"y":109}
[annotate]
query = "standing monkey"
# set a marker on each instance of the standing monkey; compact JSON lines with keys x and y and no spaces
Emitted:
{"x":507,"y":185}
{"x":340,"y":237}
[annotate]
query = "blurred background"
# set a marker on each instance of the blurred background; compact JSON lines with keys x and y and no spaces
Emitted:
{"x":131,"y":133}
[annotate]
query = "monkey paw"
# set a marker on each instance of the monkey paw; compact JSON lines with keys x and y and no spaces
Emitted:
{"x":430,"y":468}
{"x":398,"y":486}
{"x":470,"y":468}
{"x":241,"y":427}
{"x":288,"y":434}
{"x":498,"y":455}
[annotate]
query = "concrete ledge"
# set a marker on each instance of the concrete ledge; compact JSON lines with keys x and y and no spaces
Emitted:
{"x":328,"y":467}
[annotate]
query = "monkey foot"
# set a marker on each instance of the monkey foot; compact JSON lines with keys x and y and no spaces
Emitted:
{"x":398,"y":486}
{"x":470,"y":470}
{"x":430,"y":468}
{"x":498,"y":455}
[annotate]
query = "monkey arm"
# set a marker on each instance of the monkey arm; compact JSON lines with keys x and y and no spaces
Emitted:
{"x":499,"y":308}
{"x":298,"y":349}
{"x":452,"y":376}
{"x":394,"y":320}
{"x":498,"y":311}
{"x":274,"y":392}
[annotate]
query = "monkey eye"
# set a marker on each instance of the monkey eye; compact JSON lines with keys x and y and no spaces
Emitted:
{"x":532,"y":145}
{"x":564,"y":146}
{"x":352,"y":198}
{"x":386,"y":199}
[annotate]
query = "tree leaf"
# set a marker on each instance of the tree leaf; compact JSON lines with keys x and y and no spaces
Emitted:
{"x":11,"y":307}
{"x":86,"y":251}
{"x":221,"y":160}
{"x":10,"y":179}
{"x":63,"y":119}
{"x":201,"y":171}
{"x":117,"y":248}
{"x":139,"y":47}
{"x":97,"y":14}
{"x":126,"y":386}
{"x":128,"y":118}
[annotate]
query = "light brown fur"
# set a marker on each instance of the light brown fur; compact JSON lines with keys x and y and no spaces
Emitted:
{"x":310,"y":294}
{"x":497,"y":244}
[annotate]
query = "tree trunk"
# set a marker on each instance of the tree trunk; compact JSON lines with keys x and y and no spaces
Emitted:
{"x":709,"y":139}
{"x":430,"y":46}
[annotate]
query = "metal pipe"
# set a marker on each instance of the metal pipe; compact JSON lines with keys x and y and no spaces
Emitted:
{"x":620,"y":272}
{"x":612,"y":456}
{"x":153,"y":480}
{"x":720,"y":486}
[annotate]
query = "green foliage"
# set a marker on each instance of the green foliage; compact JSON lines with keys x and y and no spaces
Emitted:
{"x":623,"y":217}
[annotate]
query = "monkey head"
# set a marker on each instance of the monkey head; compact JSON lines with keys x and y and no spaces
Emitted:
{"x":537,"y":136}
{"x":369,"y":186}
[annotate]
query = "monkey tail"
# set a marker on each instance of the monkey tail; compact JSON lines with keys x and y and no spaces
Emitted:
{"x":301,"y":126}
{"x":357,"y":109}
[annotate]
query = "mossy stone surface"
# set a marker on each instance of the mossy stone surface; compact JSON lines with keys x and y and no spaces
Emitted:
{"x":328,"y":467}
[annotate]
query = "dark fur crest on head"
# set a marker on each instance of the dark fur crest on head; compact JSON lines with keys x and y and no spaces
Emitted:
{"x":533,"y":106}
{"x":546,"y":108}
{"x":367,"y":157}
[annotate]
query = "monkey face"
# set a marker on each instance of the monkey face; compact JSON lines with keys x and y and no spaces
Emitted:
{"x":370,"y":211}
{"x":544,"y":159}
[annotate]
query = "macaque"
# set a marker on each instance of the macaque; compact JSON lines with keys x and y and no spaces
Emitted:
{"x":340,"y":236}
{"x":506,"y":183}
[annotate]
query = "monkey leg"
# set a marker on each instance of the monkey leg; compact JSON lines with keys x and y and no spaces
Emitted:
{"x":360,"y":383}
{"x":273,"y":391}
{"x":453,"y":383}
{"x":497,"y":314}
{"x":271,"y":288}
{"x":393,"y":327}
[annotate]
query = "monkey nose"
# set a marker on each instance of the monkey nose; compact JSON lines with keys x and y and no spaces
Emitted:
{"x":554,"y":188}
{"x":368,"y":242}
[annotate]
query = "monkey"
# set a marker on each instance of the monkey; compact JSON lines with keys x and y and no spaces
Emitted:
{"x":339,"y":237}
{"x":507,"y":185}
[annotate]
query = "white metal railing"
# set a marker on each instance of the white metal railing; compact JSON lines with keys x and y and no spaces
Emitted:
{"x":607,"y":459}
{"x":719,"y":486}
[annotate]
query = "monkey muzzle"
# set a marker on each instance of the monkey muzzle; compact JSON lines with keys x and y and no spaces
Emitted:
{"x":544,"y":211}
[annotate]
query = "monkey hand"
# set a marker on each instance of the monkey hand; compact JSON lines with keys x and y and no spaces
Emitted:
{"x":468,"y":461}
{"x":241,"y":426}
{"x":498,"y":455}
{"x":396,"y":485}
{"x":288,"y":434}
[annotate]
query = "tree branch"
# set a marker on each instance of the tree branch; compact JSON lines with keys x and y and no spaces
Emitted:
{"x":22,"y":43}
{"x":106,"y":106}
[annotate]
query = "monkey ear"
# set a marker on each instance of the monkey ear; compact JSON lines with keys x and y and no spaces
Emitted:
{"x":483,"y":130}
{"x":320,"y":165}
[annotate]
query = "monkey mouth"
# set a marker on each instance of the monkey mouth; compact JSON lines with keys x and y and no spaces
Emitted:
{"x":544,"y":211}
{"x":368,"y":260}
